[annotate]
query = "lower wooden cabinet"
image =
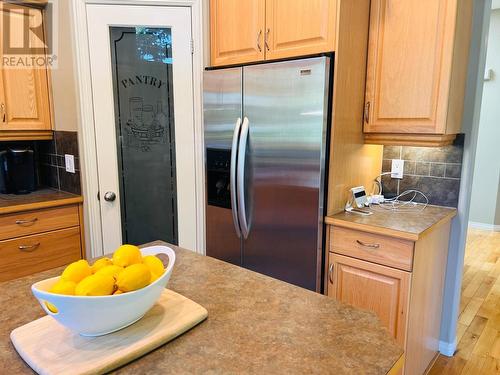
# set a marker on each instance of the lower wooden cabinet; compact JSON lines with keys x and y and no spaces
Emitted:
{"x":38,"y":221}
{"x":37,"y":240}
{"x":27,"y":255}
{"x":370,"y":286}
{"x":400,"y":280}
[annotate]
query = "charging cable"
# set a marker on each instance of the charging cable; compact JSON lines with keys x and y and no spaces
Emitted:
{"x":396,"y":204}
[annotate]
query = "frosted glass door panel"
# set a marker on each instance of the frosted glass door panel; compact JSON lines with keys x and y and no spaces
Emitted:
{"x":142,"y":78}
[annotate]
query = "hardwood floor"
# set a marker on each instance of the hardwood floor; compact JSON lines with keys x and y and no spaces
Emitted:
{"x":478,"y":335}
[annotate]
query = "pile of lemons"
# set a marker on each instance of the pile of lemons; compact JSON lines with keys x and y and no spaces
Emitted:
{"x":127,"y":271}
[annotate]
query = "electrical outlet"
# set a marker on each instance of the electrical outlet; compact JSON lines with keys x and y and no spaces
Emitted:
{"x":397,"y":168}
{"x":70,"y":163}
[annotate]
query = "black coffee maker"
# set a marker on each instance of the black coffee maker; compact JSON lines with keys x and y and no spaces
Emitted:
{"x":17,"y":171}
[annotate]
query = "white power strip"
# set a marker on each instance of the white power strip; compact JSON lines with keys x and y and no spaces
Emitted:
{"x":376,"y":199}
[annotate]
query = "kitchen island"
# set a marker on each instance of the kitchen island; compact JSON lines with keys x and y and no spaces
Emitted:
{"x":255,"y":324}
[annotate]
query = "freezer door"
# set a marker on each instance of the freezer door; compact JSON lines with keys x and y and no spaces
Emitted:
{"x":222,"y":116}
{"x":222,"y":106}
{"x":286,"y":106}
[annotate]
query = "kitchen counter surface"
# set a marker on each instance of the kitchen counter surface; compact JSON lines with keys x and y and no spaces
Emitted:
{"x":42,"y":198}
{"x":255,"y":325}
{"x":408,"y":225}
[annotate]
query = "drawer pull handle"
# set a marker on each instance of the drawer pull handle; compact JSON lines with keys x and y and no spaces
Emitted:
{"x":330,"y":273}
{"x":24,"y":222}
{"x":29,"y":247}
{"x":370,"y":245}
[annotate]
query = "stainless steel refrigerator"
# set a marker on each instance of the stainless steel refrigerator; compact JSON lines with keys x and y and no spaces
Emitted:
{"x":266,"y":138}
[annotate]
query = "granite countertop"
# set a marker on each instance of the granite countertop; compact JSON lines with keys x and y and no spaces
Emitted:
{"x":408,"y":224}
{"x":255,"y":324}
{"x":42,"y":198}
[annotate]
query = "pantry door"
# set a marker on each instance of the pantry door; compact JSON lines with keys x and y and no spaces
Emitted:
{"x":142,"y":85}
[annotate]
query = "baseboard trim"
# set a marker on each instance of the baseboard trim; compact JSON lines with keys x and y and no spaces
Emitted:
{"x":447,"y":348}
{"x":484,"y":226}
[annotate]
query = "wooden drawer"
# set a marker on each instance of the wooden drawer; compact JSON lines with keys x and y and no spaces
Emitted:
{"x":27,"y":255}
{"x":30,"y":222}
{"x":392,"y":252}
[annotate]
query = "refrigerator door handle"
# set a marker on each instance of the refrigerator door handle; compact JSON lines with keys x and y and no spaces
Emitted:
{"x":242,"y":150}
{"x":232,"y":176}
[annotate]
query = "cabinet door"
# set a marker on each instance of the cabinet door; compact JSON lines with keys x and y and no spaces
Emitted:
{"x":381,"y":289}
{"x":237,"y":31}
{"x":299,"y":27}
{"x":409,"y":64}
{"x":25,"y":91}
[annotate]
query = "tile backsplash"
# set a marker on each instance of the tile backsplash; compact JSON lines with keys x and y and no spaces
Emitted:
{"x":435,"y":171}
{"x":52,"y":165}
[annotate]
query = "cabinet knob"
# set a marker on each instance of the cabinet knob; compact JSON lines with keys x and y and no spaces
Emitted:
{"x":109,"y":196}
{"x":258,"y":41}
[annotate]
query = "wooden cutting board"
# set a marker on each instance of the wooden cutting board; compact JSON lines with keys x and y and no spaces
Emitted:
{"x":50,"y":348}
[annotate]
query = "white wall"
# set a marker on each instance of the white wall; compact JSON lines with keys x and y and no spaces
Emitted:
{"x":485,"y":198}
{"x":63,"y":78}
{"x":470,"y":126}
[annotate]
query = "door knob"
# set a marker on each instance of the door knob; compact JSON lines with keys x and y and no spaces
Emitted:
{"x":109,"y":196}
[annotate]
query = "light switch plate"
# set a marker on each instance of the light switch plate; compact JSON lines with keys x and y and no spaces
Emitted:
{"x":70,"y":163}
{"x":397,"y":168}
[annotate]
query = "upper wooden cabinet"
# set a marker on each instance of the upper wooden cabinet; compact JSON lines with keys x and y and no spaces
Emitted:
{"x":245,"y":31}
{"x":26,"y":98}
{"x":237,"y":31}
{"x":25,"y":105}
{"x":299,"y":27}
{"x":417,"y":67}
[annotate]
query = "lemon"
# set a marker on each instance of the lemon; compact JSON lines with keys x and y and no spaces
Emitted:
{"x":127,"y":255}
{"x":65,"y":287}
{"x":111,"y":270}
{"x":77,"y":271}
{"x":154,"y":277}
{"x":61,"y":287}
{"x":154,"y":264}
{"x":101,"y":263}
{"x":51,"y":307}
{"x":134,"y":277}
{"x":95,"y":285}
{"x":118,"y":291}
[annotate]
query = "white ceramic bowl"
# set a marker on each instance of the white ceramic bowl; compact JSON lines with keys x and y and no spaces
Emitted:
{"x":99,"y":315}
